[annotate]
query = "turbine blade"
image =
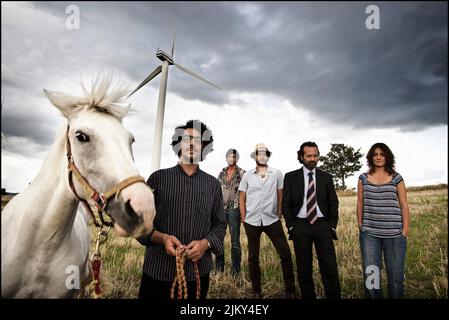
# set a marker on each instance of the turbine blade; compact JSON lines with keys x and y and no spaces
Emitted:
{"x":147,"y":79}
{"x":173,"y":45}
{"x":196,"y":76}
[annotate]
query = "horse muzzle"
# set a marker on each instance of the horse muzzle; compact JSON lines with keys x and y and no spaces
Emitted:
{"x":132,"y":210}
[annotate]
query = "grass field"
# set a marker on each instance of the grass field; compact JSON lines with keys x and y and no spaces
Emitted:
{"x":426,"y":262}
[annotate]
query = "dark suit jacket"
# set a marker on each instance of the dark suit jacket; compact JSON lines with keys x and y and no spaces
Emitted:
{"x":293,"y":196}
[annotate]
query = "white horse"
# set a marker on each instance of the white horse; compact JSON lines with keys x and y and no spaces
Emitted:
{"x":44,"y":237}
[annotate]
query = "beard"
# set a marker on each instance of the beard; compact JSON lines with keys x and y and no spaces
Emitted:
{"x":262,"y":162}
{"x":189,"y":158}
{"x":310,"y":165}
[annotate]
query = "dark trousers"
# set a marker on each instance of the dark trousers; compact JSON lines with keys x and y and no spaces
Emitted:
{"x":304,"y":235}
{"x":151,"y":288}
{"x":276,"y":234}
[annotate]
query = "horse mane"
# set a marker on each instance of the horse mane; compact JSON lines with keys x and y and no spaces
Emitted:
{"x":103,"y":96}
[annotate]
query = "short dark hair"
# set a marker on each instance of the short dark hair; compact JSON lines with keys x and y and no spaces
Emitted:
{"x":300,"y":152}
{"x":389,"y":158}
{"x":234,"y":152}
{"x":206,"y":137}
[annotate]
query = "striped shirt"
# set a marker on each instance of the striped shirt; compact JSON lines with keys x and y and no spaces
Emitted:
{"x":190,"y":208}
{"x":382,"y":215}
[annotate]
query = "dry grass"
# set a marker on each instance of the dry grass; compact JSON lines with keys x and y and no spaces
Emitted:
{"x":426,"y":262}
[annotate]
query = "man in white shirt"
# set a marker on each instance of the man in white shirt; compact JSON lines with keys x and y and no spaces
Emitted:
{"x":260,"y":210}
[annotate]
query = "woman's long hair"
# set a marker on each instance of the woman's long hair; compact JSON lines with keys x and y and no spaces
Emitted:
{"x":389,"y":158}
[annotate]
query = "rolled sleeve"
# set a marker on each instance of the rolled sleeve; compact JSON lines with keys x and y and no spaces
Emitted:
{"x":244,"y":183}
{"x":280,"y":179}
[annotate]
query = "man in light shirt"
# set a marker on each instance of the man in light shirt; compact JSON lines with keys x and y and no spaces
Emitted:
{"x":260,"y":210}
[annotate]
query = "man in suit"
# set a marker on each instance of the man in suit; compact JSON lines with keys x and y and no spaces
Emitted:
{"x":310,"y":208}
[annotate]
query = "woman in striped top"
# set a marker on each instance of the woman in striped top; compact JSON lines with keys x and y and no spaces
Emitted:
{"x":383,"y":219}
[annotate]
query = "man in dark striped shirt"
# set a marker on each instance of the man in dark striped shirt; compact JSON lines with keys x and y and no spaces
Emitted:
{"x":189,"y":216}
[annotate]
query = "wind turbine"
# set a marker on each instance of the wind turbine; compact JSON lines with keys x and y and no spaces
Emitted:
{"x":167,"y":60}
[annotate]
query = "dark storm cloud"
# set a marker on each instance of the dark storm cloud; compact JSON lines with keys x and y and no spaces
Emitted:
{"x":29,"y":117}
{"x":26,"y":126}
{"x":319,"y":56}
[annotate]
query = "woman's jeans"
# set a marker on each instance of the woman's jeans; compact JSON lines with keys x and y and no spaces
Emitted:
{"x":393,"y":250}
{"x":233,"y":219}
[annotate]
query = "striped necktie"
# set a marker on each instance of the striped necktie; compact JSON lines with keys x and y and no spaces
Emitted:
{"x":311,"y":201}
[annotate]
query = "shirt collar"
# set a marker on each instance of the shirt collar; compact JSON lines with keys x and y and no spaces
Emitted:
{"x":269,"y":170}
{"x":237,"y":168}
{"x":306,"y":171}
{"x":182,"y":170}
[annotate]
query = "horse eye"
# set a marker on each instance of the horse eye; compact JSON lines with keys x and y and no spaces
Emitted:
{"x":82,"y":137}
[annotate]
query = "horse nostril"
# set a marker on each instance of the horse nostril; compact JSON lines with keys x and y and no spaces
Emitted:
{"x":130,"y":212}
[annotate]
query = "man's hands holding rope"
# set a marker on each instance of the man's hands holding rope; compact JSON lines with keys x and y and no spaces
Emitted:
{"x":194,"y":250}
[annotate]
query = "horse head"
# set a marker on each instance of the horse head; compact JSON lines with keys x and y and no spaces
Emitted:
{"x":100,"y":154}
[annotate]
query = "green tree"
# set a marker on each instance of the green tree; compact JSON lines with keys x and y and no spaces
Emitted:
{"x":342,"y":161}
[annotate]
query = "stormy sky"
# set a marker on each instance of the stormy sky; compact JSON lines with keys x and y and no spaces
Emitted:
{"x":290,"y":71}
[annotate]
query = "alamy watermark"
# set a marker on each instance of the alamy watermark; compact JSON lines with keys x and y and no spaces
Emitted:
{"x":373,"y":20}
{"x":72,"y":22}
{"x":372,"y":281}
{"x":72,"y":282}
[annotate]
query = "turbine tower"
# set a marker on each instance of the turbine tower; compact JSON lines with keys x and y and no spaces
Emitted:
{"x":3,"y":136}
{"x":167,"y":60}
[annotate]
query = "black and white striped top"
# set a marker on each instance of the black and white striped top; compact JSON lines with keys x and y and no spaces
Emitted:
{"x":190,"y":208}
{"x":382,"y":215}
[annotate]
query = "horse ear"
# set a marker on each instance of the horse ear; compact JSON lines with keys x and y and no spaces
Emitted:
{"x":64,"y":102}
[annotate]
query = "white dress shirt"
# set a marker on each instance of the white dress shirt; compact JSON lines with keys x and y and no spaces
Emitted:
{"x":261,"y":196}
{"x":303,"y":211}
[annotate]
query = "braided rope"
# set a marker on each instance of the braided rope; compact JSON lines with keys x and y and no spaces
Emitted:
{"x":180,"y":279}
{"x":197,"y":277}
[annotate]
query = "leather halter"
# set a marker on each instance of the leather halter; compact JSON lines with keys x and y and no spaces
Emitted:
{"x":100,"y":199}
